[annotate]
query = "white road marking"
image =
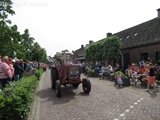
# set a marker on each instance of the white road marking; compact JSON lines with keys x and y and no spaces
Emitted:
{"x":116,"y":119}
{"x":131,"y":106}
{"x":127,"y":110}
{"x":138,"y":100}
{"x":135,"y":103}
{"x":122,"y":114}
{"x":141,"y":99}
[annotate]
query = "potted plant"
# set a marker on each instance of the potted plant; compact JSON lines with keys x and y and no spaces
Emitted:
{"x":90,"y":73}
{"x":125,"y":79}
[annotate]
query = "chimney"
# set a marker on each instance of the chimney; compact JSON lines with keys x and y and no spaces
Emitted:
{"x":158,"y":10}
{"x":90,"y":42}
{"x":109,"y":34}
{"x":82,"y":46}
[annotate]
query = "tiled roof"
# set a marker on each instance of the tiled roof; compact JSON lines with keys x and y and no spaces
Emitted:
{"x":76,"y":53}
{"x":81,"y":53}
{"x":139,"y":35}
{"x":142,"y":34}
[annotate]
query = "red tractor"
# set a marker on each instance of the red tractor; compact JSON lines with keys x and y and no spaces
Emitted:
{"x":67,"y":73}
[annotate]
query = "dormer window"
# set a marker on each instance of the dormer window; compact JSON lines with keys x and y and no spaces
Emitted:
{"x":135,"y":34}
{"x":127,"y":37}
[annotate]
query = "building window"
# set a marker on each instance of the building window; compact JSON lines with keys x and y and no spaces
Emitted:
{"x":157,"y":56}
{"x":126,"y":60}
{"x":127,"y":37}
{"x":144,"y":56}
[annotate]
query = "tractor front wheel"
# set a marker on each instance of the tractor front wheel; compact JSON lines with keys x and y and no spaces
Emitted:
{"x":58,"y":88}
{"x":54,"y":77}
{"x":86,"y":85}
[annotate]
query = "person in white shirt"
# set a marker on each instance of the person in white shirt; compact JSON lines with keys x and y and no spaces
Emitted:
{"x":111,"y":72}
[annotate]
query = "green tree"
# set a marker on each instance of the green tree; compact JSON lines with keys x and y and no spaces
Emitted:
{"x":6,"y":37}
{"x":15,"y":44}
{"x":38,"y":53}
{"x":112,"y":48}
{"x":9,"y":35}
{"x":109,"y":49}
{"x":99,"y":51}
{"x":27,"y":42}
{"x":11,"y":40}
{"x":94,"y":52}
{"x":65,"y":50}
{"x":5,"y":10}
{"x":90,"y":53}
{"x":43,"y":55}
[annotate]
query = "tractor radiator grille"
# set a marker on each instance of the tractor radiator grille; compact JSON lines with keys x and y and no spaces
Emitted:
{"x":73,"y":76}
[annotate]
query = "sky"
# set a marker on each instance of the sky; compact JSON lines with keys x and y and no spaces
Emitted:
{"x":67,"y":24}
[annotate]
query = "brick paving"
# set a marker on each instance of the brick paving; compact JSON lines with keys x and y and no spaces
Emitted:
{"x":105,"y":102}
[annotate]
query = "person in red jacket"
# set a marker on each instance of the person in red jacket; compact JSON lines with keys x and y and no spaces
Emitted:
{"x":132,"y":67}
{"x":142,"y":70}
{"x":44,"y":67}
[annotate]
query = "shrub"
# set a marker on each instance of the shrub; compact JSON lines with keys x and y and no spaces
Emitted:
{"x":90,"y":71}
{"x":39,"y":72}
{"x":16,"y":98}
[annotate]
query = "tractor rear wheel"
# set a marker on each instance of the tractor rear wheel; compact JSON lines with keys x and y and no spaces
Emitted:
{"x":58,"y":88}
{"x":54,"y":77}
{"x":75,"y":84}
{"x":86,"y":85}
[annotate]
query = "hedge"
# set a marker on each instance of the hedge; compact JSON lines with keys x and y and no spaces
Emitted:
{"x":16,"y":98}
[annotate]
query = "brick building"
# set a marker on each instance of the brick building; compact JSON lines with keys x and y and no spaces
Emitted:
{"x":139,"y":42}
{"x":79,"y":53}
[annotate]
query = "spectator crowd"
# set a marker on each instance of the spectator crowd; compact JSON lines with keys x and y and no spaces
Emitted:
{"x":15,"y":69}
{"x":142,"y":72}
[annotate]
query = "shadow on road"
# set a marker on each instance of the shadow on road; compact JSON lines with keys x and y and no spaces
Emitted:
{"x":83,"y":94}
{"x":153,"y":95}
{"x":49,"y":94}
